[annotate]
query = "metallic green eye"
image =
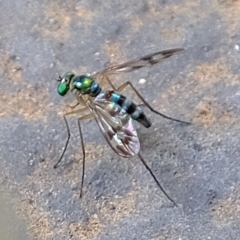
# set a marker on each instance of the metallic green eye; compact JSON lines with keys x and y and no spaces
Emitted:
{"x":65,"y":83}
{"x":63,"y":88}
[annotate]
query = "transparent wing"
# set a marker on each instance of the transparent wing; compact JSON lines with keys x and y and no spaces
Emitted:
{"x":116,"y":126}
{"x":147,"y":60}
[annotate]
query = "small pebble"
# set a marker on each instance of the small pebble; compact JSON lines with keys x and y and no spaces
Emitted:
{"x":142,"y":81}
{"x":236,"y":47}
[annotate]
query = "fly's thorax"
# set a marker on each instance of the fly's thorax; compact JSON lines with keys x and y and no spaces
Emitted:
{"x":86,"y":85}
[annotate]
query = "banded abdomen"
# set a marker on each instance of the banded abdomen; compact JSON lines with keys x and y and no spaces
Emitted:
{"x":129,"y":106}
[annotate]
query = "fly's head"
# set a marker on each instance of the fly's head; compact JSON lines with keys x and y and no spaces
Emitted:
{"x":65,"y":83}
{"x":82,"y":84}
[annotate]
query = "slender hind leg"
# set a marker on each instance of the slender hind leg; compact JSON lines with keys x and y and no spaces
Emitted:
{"x":155,"y":179}
{"x":88,"y":116}
{"x":68,"y":131}
{"x":105,"y":78}
{"x":124,"y":85}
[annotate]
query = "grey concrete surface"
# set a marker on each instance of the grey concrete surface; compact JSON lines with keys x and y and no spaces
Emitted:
{"x":198,"y":165}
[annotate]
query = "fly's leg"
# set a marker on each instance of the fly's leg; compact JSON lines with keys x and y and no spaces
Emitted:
{"x":68,"y":131}
{"x":104,"y":78}
{"x":155,"y":179}
{"x":124,"y":85}
{"x":88,"y":116}
{"x":73,"y":104}
{"x":119,"y":89}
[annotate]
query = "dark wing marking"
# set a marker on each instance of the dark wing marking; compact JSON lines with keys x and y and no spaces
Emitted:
{"x":135,"y":64}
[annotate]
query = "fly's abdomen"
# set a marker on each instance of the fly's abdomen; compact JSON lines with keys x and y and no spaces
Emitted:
{"x":130,"y":107}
